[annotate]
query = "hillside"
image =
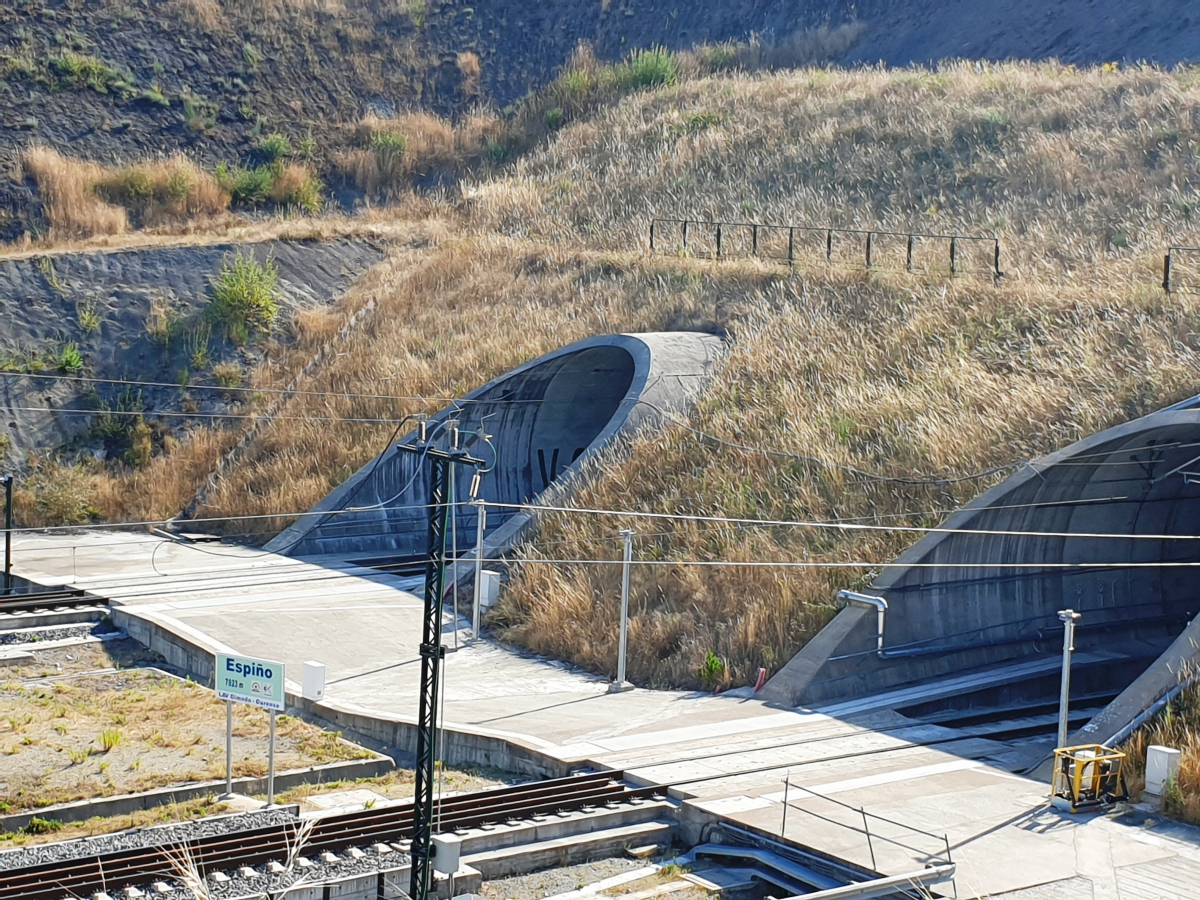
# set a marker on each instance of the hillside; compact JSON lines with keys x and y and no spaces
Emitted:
{"x":119,"y":81}
{"x":881,"y":396}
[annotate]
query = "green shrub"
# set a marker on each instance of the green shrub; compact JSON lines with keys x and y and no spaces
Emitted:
{"x":42,"y":826}
{"x":389,"y":144}
{"x":110,"y":738}
{"x":712,"y":669}
{"x":647,"y":68}
{"x":246,"y":186}
{"x":89,"y":319}
{"x":228,"y":374}
{"x":70,"y":360}
{"x":553,"y":117}
{"x":78,"y":70}
{"x":275,"y":146}
{"x":245,"y":298}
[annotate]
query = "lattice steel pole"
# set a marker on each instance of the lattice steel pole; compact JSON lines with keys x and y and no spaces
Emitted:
{"x":431,"y":655}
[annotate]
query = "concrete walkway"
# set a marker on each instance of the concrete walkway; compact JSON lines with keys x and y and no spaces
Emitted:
{"x":921,"y":786}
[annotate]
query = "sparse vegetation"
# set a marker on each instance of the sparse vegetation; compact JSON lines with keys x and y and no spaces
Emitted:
{"x":172,"y":718}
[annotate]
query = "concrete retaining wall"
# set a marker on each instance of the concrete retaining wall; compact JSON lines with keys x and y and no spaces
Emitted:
{"x":194,"y":655}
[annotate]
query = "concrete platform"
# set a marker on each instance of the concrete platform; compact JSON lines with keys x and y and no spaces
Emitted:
{"x":725,"y":755}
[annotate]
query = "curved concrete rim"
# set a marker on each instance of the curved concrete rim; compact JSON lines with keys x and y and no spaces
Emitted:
{"x":669,"y":370}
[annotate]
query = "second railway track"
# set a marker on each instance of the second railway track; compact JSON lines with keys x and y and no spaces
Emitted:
{"x":106,"y":872}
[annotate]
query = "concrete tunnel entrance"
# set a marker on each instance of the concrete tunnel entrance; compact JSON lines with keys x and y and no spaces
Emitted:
{"x":1139,"y":482}
{"x":546,"y":418}
{"x":543,"y":420}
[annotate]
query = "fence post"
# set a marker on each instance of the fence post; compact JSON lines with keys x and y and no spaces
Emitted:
{"x":996,"y":262}
{"x":870,"y":240}
{"x":953,"y":255}
{"x":627,"y":557}
{"x":829,"y":245}
{"x":1167,"y":272}
{"x":685,"y":225}
{"x":651,"y":237}
{"x":8,"y":527}
{"x":718,"y":240}
{"x":908,"y":262}
{"x":791,"y":246}
{"x":754,"y":240}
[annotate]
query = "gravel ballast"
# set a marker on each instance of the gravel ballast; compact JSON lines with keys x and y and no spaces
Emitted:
{"x":158,"y":836}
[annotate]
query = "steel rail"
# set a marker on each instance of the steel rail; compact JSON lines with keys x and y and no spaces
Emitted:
{"x":117,"y":870}
{"x":63,"y":598}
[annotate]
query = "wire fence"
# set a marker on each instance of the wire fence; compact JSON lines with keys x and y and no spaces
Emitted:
{"x":709,"y":239}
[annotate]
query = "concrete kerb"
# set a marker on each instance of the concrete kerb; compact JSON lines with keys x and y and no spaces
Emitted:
{"x":195,"y":655}
{"x":125,"y":804}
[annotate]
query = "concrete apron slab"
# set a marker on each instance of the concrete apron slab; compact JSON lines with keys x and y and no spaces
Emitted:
{"x":726,"y":755}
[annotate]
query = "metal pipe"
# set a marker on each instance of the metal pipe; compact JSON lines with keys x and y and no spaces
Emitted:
{"x":1149,"y":712}
{"x":787,"y":783}
{"x":480,"y":526}
{"x":867,"y":601}
{"x":1069,"y":617}
{"x":627,"y":536}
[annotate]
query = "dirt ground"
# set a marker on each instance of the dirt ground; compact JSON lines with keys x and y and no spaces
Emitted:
{"x":97,"y":735}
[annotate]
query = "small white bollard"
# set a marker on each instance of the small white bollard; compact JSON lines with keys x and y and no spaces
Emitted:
{"x":313,"y":683}
{"x":447,"y":851}
{"x":489,"y":589}
{"x":1162,"y":765}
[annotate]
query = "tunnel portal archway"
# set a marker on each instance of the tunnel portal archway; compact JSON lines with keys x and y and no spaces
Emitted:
{"x":991,"y":602}
{"x":546,"y":418}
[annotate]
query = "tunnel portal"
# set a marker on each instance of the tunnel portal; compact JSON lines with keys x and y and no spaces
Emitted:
{"x":982,"y":609}
{"x":545,"y":418}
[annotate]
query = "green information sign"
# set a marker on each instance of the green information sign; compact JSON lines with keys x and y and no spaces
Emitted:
{"x":244,"y":679}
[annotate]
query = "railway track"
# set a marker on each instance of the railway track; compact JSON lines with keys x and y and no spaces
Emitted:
{"x":46,"y":600}
{"x":115,"y":871}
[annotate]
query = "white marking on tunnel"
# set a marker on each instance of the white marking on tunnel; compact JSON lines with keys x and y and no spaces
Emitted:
{"x":854,"y":784}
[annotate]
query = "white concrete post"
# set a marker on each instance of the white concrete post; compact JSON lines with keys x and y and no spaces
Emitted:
{"x":1068,"y":617}
{"x":621,"y":684}
{"x":271,"y":764}
{"x":228,"y":749}
{"x":480,"y":525}
{"x":1162,"y":767}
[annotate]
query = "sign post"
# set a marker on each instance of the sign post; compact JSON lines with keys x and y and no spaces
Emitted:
{"x":258,"y":682}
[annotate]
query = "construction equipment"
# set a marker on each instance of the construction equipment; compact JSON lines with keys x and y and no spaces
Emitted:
{"x":1087,"y":775}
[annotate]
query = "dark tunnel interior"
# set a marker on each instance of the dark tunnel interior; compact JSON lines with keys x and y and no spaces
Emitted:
{"x":542,"y":421}
{"x":1141,"y":491}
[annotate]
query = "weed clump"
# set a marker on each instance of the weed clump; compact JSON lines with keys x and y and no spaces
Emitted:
{"x":245,"y":298}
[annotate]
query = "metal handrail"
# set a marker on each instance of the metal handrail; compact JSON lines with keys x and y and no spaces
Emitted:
{"x":757,"y":228}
